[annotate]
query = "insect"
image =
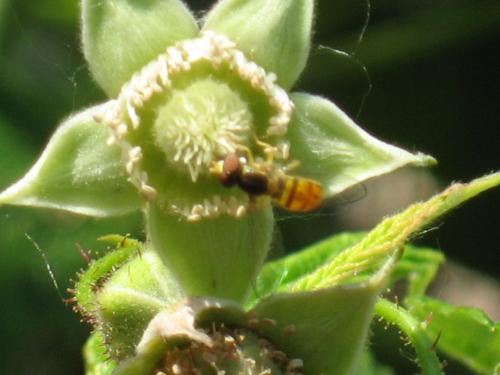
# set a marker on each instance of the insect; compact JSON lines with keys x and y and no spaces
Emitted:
{"x":293,"y":193}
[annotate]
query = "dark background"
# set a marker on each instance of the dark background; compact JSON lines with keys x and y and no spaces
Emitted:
{"x":434,"y":73}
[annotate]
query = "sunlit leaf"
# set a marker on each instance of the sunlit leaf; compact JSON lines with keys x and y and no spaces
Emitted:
{"x":464,"y":333}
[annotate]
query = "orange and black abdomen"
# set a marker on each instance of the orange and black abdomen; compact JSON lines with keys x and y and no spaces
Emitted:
{"x":298,"y":194}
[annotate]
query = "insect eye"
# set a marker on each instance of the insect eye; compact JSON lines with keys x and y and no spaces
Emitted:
{"x":231,"y":170}
{"x":232,"y":165}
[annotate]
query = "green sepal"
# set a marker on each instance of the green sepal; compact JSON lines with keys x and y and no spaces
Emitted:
{"x":99,"y":270}
{"x":326,"y":328}
{"x":335,"y":151}
{"x":273,"y":33}
{"x":97,"y":361}
{"x":130,"y":298}
{"x":77,"y":172}
{"x":144,"y":363}
{"x":464,"y":333}
{"x":121,"y":292}
{"x":218,"y":257}
{"x":119,"y":37}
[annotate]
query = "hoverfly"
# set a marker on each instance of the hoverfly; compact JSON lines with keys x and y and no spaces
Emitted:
{"x":293,"y":193}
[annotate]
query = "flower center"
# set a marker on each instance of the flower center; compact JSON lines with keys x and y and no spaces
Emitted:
{"x":202,"y":123}
{"x":194,"y":105}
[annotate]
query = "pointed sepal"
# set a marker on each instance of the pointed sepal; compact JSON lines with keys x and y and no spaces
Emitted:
{"x":97,"y":361}
{"x":335,"y":151}
{"x":122,"y":291}
{"x":275,"y":34}
{"x":119,"y":37}
{"x":325,"y":328}
{"x":131,"y":297}
{"x":77,"y":172}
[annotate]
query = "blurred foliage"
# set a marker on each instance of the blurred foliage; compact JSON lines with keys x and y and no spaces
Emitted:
{"x":433,"y":67}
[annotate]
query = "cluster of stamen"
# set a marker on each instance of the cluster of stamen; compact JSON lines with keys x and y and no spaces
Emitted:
{"x":123,"y":115}
{"x":132,"y":155}
{"x":215,"y":206}
{"x":196,"y":145}
{"x":226,"y":347}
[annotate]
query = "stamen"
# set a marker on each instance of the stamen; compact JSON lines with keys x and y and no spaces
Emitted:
{"x":215,"y":206}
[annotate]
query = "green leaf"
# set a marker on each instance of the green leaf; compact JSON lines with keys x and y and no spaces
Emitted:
{"x":416,"y":333}
{"x":335,"y":151}
{"x":326,"y":328}
{"x":77,"y":172}
{"x":464,"y":333}
{"x":119,"y":37}
{"x":97,"y":362}
{"x":391,"y":235}
{"x":276,"y":274}
{"x":418,"y":265}
{"x":273,"y":33}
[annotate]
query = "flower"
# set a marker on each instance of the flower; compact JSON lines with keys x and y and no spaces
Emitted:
{"x":183,"y":99}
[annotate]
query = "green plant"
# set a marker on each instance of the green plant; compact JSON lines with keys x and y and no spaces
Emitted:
{"x":184,"y":298}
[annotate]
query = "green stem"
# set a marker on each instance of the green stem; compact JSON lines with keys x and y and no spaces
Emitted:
{"x":395,"y":314}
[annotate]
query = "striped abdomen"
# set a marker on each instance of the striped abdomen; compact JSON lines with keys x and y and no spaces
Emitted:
{"x":296,"y":193}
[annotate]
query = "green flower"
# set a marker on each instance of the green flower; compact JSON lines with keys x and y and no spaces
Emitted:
{"x":185,"y":98}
